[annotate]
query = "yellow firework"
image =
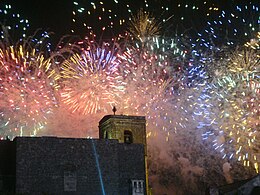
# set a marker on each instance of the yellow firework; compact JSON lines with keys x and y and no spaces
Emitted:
{"x":143,"y":25}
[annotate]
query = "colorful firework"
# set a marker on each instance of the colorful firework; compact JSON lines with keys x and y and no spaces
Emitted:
{"x":160,"y":81}
{"x":26,"y":91}
{"x":153,"y":73}
{"x":90,"y":79}
{"x":228,"y":109}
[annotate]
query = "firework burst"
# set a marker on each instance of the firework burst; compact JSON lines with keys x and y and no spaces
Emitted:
{"x":153,"y":73}
{"x":27,"y":93}
{"x":90,"y":80}
{"x":143,"y":25}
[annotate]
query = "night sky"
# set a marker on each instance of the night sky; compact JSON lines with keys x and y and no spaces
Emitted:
{"x":188,"y":80}
{"x":52,"y":16}
{"x":57,"y":16}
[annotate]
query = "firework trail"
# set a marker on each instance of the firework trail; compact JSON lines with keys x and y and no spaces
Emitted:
{"x":27,"y":92}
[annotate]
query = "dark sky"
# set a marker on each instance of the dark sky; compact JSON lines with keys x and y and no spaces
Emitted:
{"x":51,"y":15}
{"x":56,"y":15}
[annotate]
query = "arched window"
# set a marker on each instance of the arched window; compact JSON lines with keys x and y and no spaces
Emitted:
{"x":128,"y":137}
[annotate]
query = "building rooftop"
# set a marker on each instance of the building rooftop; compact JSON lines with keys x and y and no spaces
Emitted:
{"x":121,"y":117}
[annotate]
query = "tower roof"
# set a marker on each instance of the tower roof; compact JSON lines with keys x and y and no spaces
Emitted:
{"x":106,"y":117}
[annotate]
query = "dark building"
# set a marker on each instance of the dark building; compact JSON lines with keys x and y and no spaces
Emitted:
{"x":114,"y":164}
{"x":249,"y":186}
{"x":7,"y":166}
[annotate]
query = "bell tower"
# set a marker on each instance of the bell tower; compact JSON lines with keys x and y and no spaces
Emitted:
{"x":126,"y":129}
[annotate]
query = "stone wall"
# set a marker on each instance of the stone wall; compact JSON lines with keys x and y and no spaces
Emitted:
{"x":80,"y":166}
{"x":131,"y":165}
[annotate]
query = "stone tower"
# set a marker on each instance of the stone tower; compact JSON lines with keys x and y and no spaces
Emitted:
{"x":126,"y":129}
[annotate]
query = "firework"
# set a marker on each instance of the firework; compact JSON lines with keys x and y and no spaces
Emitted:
{"x":228,"y":109}
{"x":143,"y":26}
{"x":193,"y":91}
{"x":153,"y":73}
{"x":90,"y":79}
{"x":26,"y":91}
{"x":244,"y":61}
{"x":254,"y":42}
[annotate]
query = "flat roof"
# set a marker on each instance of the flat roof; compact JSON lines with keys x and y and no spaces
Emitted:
{"x":106,"y":117}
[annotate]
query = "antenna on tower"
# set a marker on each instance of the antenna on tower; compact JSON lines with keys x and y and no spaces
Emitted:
{"x":114,"y":110}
